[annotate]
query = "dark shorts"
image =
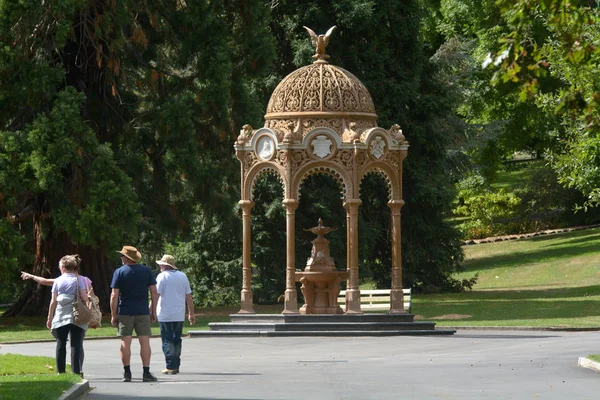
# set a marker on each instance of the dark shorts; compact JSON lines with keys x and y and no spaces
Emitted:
{"x":140,"y":323}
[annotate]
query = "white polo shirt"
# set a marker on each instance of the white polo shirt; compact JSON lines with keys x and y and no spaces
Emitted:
{"x":172,"y":286}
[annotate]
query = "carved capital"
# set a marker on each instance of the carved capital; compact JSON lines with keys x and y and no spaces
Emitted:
{"x":290,"y":205}
{"x":351,"y":205}
{"x":246,"y":206}
{"x":395,"y":205}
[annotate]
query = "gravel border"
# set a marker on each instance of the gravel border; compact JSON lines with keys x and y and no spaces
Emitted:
{"x":494,"y":239}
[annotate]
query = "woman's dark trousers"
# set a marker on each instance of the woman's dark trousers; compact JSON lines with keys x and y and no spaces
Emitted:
{"x":62,"y":334}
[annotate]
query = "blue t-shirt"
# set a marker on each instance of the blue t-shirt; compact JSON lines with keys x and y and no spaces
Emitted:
{"x":133,"y":282}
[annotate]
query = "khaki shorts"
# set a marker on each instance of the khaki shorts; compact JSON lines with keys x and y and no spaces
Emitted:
{"x":141,"y":324}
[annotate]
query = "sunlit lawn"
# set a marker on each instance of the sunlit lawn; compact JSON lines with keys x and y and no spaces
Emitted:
{"x":23,"y":377}
{"x":546,"y":281}
{"x":556,"y":261}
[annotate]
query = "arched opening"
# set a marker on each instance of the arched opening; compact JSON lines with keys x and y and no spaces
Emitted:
{"x":321,"y":197}
{"x":268,"y":238}
{"x":375,"y":251}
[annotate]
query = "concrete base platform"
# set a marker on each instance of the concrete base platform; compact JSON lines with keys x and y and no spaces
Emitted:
{"x":321,"y":325}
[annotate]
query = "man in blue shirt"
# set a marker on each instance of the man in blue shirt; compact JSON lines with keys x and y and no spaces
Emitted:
{"x":130,"y":309}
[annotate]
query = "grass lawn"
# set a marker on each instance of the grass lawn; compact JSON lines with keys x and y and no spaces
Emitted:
{"x":564,"y":260}
{"x":509,"y":180}
{"x":594,"y":357}
{"x":545,"y":281}
{"x":23,"y":377}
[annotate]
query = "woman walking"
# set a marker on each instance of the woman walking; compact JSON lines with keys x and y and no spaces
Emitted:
{"x":60,"y":315}
{"x":50,"y":282}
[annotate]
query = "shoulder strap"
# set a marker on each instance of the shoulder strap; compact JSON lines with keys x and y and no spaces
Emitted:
{"x":77,"y":287}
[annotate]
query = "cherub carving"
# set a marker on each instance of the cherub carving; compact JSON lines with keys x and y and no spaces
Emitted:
{"x":320,"y":42}
{"x":245,"y":134}
{"x":289,"y":135}
{"x":351,"y":134}
{"x":396,"y":133}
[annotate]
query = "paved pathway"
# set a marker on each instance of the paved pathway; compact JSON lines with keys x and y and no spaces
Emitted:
{"x":469,"y":365}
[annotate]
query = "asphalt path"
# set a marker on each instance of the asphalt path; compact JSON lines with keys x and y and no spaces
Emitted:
{"x":468,"y":365}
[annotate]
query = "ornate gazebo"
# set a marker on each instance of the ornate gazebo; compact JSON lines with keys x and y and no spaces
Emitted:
{"x":321,"y":119}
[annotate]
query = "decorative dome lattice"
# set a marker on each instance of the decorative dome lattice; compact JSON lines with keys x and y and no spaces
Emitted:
{"x":317,"y":95}
{"x":319,"y":88}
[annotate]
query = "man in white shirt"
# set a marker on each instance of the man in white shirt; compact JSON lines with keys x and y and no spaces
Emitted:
{"x":174,"y":293}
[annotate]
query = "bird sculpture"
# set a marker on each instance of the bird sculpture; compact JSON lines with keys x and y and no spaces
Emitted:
{"x":320,"y":42}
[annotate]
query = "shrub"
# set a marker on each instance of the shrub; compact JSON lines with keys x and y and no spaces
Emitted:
{"x":488,"y":210}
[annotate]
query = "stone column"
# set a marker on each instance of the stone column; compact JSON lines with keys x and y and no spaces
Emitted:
{"x":352,"y":289}
{"x":291,"y":298}
{"x":247,"y":306}
{"x":396,"y":294}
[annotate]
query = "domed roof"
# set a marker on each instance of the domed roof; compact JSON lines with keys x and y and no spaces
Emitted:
{"x":321,"y":89}
{"x":320,"y":95}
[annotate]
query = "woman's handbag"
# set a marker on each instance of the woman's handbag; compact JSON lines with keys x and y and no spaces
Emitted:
{"x":94,"y":305}
{"x":81,"y":312}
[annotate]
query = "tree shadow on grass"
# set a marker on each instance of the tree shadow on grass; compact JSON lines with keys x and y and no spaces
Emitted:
{"x":510,"y":305}
{"x":582,"y":235}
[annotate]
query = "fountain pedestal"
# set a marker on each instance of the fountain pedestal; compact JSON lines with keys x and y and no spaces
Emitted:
{"x":320,"y":280}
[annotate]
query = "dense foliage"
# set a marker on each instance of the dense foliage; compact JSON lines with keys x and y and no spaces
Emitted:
{"x":568,"y":53}
{"x":116,"y":119}
{"x":542,"y":60}
{"x":380,"y":43}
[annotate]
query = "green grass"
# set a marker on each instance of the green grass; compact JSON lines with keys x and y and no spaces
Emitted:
{"x":553,"y":261}
{"x":509,"y":180}
{"x":23,"y":377}
{"x":546,"y":281}
{"x":594,"y":357}
{"x":546,"y":308}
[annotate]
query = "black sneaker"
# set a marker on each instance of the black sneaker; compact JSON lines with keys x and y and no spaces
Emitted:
{"x":127,"y":376}
{"x":148,"y":377}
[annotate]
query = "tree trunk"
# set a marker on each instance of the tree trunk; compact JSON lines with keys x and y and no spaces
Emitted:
{"x":49,"y":249}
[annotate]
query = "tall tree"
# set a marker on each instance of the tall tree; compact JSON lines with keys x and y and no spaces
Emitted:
{"x":116,"y":118}
{"x":380,"y":42}
{"x":569,"y":53}
{"x":497,"y":122}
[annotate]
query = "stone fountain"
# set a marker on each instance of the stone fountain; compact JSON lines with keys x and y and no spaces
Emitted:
{"x":320,"y":279}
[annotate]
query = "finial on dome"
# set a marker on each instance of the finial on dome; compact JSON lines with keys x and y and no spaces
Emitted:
{"x":320,"y":42}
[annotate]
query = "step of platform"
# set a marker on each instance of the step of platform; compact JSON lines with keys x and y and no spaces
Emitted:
{"x":251,"y":333}
{"x":322,"y":326}
{"x":370,"y":324}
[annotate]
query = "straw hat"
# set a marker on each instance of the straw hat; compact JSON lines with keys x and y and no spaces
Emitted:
{"x":131,"y":252}
{"x":167,"y":260}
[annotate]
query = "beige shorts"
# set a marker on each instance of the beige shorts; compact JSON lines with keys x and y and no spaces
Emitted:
{"x":140,"y":323}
